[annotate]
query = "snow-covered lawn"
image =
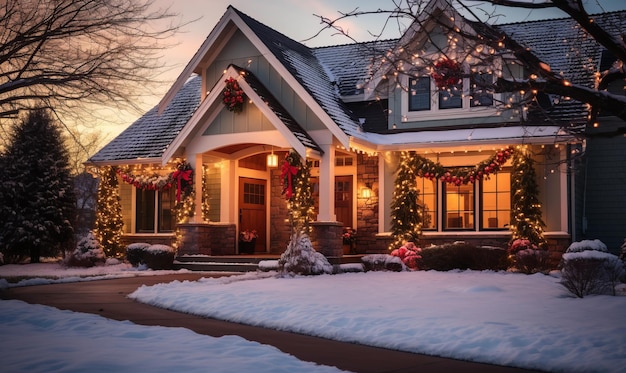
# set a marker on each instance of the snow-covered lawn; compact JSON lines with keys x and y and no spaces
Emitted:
{"x":494,"y":317}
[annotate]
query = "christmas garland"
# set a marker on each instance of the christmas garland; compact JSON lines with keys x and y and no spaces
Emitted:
{"x":233,"y":96}
{"x":460,"y":175}
{"x":446,"y":73}
{"x":182,"y":176}
{"x":288,"y":172}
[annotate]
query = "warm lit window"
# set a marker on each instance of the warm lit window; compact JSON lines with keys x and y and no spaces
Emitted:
{"x":458,"y":206}
{"x":419,"y":94}
{"x":154,"y":209}
{"x":496,"y":201}
{"x":451,"y":97}
{"x":427,"y":202}
{"x":481,"y":90}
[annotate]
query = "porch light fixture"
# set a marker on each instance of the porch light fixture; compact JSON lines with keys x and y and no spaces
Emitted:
{"x":367,"y":191}
{"x":272,"y":160}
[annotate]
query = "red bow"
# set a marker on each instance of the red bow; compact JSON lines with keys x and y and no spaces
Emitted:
{"x":179,"y":175}
{"x":288,"y":170}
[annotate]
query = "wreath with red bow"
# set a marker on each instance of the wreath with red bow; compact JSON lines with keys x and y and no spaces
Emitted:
{"x":233,"y":96}
{"x":446,"y":73}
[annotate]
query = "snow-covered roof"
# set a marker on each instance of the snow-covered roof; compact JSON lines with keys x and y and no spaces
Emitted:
{"x":149,"y":136}
{"x":331,"y":73}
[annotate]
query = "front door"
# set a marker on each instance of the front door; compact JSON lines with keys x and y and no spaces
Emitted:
{"x":343,"y":200}
{"x":252,"y":209}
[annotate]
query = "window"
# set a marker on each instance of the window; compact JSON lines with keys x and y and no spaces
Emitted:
{"x":419,"y":94}
{"x":481,"y":90}
{"x":496,"y":201}
{"x":427,"y":202}
{"x":452,"y":97}
{"x":458,"y":206}
{"x":154,"y":209}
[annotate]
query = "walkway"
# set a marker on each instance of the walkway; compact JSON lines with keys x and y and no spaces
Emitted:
{"x":107,"y":298}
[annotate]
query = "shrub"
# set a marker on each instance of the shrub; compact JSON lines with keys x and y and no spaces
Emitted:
{"x":460,"y":255}
{"x":300,"y":258}
{"x":382,"y":262}
{"x":152,"y":256}
{"x":587,"y":268}
{"x":527,"y":258}
{"x":88,"y":253}
{"x":409,"y":254}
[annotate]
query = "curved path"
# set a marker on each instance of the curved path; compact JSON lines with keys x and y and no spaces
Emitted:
{"x":107,"y":298}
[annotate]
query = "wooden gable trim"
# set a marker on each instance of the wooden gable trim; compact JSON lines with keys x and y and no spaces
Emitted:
{"x":215,"y":96}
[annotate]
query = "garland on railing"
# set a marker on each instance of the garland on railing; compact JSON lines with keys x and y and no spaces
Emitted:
{"x":233,"y":96}
{"x":460,"y":175}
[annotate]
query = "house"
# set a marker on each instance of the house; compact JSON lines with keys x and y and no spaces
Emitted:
{"x":351,"y":110}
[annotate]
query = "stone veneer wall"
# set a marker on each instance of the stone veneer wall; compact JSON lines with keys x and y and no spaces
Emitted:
{"x":326,"y":238}
{"x":367,"y":208}
{"x":207,"y":239}
{"x":280,"y":231}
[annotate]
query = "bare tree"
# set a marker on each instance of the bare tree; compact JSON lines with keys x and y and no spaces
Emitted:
{"x":477,"y":43}
{"x":73,"y":55}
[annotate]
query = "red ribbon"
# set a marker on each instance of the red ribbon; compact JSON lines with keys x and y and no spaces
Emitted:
{"x":288,"y":170}
{"x":179,"y":175}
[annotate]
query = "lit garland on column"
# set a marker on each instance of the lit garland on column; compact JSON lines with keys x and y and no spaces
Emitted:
{"x":526,"y":221}
{"x":205,"y":195}
{"x":109,"y":223}
{"x":297,"y":189}
{"x":406,"y":216}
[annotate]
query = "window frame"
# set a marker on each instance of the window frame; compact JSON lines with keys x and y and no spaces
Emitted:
{"x":157,"y":209}
{"x":499,"y":225}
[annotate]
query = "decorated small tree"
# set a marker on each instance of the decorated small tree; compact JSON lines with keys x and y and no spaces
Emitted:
{"x":406,"y":216}
{"x":109,"y":223}
{"x":300,"y":257}
{"x":527,"y":248}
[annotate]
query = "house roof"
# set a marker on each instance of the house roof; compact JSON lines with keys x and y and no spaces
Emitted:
{"x":331,"y":73}
{"x":149,"y":136}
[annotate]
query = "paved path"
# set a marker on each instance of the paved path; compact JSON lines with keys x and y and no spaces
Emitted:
{"x":108,"y":298}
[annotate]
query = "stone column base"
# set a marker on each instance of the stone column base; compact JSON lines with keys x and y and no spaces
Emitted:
{"x":207,"y":239}
{"x":327,"y":237}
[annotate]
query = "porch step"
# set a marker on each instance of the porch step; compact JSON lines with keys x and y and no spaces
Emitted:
{"x":241,"y":263}
{"x":230,"y":263}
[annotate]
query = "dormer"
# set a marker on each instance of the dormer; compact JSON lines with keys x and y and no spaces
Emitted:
{"x":441,"y":74}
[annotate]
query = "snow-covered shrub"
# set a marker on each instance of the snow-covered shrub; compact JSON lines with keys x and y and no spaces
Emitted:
{"x":152,"y":256}
{"x":301,"y":259}
{"x":587,"y":268}
{"x":1,"y":259}
{"x":585,"y":245}
{"x":382,"y":262}
{"x":409,"y":254}
{"x":88,"y":253}
{"x":461,"y":255}
{"x":527,"y":258}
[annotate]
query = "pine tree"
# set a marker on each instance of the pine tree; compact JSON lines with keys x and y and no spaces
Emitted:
{"x":37,"y":199}
{"x":526,"y":221}
{"x":406,"y":216}
{"x":109,"y":223}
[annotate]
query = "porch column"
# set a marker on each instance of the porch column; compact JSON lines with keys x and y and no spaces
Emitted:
{"x":228,"y":189}
{"x":199,"y":171}
{"x":327,"y":185}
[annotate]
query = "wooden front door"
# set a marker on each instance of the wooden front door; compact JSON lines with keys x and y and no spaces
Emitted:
{"x":343,"y":200}
{"x":252,"y":209}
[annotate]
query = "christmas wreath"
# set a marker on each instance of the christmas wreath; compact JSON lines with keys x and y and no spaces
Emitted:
{"x":233,"y":96}
{"x":446,"y":73}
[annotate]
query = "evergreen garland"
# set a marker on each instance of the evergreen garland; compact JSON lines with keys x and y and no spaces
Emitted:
{"x":526,"y":221}
{"x":406,"y":216}
{"x":295,"y":177}
{"x":109,"y":223}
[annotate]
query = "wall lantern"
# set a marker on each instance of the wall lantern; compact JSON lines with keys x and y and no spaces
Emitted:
{"x":367,"y":191}
{"x":272,"y":160}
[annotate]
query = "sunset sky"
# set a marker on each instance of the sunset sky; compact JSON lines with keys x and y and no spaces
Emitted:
{"x":296,"y":19}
